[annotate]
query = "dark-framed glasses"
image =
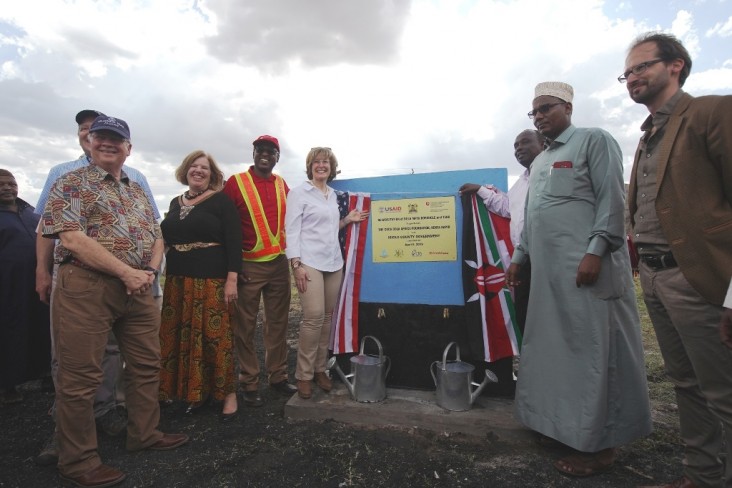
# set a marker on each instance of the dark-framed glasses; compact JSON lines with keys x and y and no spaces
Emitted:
{"x":638,"y":69}
{"x":543,"y":109}
{"x":108,"y":137}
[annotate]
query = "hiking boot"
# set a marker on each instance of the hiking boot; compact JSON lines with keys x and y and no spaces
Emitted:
{"x":323,"y":381}
{"x":49,"y":453}
{"x":112,"y":423}
{"x":304,"y":389}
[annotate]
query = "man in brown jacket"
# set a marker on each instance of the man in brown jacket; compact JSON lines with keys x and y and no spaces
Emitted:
{"x":680,"y":203}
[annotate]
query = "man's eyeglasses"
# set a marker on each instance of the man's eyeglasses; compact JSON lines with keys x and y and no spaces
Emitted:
{"x":638,"y":69}
{"x":543,"y":109}
{"x":108,"y":137}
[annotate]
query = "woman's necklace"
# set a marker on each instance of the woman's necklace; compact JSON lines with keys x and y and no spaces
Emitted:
{"x":186,"y":209}
{"x":324,"y":191}
{"x":189,"y":196}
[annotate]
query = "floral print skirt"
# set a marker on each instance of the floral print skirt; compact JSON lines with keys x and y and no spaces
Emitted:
{"x":195,"y":341}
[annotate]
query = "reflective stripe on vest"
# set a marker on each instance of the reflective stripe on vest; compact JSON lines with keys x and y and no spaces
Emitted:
{"x":268,"y":245}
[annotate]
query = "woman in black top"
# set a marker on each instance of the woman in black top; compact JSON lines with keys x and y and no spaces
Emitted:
{"x":202,"y":235}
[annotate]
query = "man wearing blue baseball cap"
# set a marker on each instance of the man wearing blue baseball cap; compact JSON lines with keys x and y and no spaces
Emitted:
{"x":109,"y":401}
{"x":110,"y":251}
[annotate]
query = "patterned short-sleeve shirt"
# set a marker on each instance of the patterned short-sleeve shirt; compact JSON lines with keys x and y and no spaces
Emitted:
{"x":116,"y":214}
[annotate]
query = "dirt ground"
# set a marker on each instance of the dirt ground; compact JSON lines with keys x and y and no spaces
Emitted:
{"x":261,"y":448}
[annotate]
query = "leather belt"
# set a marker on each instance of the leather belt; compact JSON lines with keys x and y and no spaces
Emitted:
{"x":659,"y":261}
{"x":194,"y":245}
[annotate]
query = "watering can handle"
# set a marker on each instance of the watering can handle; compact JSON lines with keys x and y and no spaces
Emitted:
{"x":381,"y":349}
{"x":432,"y":371}
{"x":388,"y":366}
{"x":444,"y":354}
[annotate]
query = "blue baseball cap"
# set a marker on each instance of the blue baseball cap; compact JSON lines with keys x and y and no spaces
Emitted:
{"x":87,"y":114}
{"x":115,"y":125}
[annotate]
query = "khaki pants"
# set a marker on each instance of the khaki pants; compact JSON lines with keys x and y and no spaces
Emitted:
{"x":699,"y":366}
{"x":268,"y":281}
{"x":318,"y":303}
{"x":87,"y":305}
{"x":110,"y":393}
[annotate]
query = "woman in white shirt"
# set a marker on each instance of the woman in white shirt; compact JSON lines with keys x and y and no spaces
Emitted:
{"x":312,"y":222}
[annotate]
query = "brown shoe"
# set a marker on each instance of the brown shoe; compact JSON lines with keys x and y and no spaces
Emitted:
{"x":322,"y":380}
{"x":49,"y":454}
{"x":304,"y":389}
{"x":682,"y":482}
{"x":98,"y":477}
{"x":169,"y":441}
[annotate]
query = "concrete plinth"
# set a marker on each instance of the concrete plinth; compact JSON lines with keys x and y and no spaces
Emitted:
{"x":411,"y":408}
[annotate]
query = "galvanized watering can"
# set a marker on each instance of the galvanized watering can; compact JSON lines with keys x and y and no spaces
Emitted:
{"x":368,"y":373}
{"x":454,"y":380}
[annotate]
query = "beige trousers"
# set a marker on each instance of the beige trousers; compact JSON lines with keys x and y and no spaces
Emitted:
{"x":318,"y":302}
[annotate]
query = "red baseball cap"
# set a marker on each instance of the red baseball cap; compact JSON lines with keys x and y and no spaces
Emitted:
{"x":266,"y":138}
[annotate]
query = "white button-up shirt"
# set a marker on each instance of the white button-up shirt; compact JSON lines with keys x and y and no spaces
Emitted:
{"x":311,"y":227}
{"x":509,"y":205}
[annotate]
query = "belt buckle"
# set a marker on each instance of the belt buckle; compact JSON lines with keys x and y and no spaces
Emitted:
{"x":654,"y":262}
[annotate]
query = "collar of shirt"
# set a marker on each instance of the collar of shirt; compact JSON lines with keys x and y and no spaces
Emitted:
{"x":256,"y":177}
{"x":311,"y":187}
{"x":662,"y":114}
{"x":563,"y":137}
{"x":123,"y":176}
{"x":20,"y":203}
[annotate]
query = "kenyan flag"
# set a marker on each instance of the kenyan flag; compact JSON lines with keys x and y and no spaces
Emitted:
{"x":489,"y":313}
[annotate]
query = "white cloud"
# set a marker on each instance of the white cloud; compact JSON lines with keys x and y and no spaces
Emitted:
{"x":392,"y":85}
{"x":721,"y":29}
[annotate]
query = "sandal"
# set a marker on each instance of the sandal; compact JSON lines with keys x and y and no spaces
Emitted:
{"x":583,"y":465}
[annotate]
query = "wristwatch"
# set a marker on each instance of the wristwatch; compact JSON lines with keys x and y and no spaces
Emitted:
{"x":154,"y":271}
{"x":296,"y":264}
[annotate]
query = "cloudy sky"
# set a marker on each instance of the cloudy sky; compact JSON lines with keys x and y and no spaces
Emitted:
{"x":393,"y":86}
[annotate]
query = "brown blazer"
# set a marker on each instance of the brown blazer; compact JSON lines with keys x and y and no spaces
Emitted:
{"x":694,"y":191}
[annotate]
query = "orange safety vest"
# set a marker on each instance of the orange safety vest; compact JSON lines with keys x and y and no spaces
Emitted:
{"x":268,"y":245}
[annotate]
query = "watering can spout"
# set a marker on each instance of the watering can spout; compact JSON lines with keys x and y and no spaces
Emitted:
{"x":490,"y":377}
{"x":333,"y":364}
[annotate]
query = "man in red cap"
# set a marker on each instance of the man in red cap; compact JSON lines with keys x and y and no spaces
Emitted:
{"x":260,"y":197}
